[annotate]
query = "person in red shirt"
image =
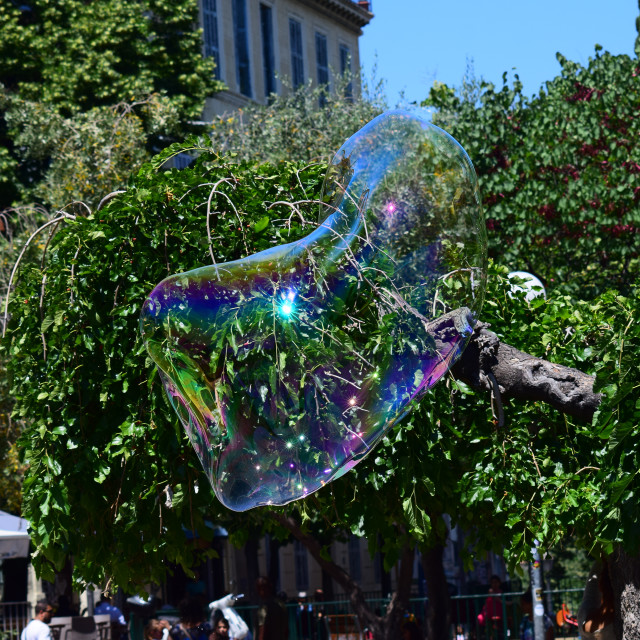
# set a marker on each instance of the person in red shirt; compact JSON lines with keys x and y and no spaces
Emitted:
{"x":492,"y":613}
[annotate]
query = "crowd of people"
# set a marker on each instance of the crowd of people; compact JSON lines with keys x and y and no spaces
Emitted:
{"x":221,"y":622}
{"x":271,"y":620}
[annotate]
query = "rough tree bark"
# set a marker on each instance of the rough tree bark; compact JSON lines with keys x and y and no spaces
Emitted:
{"x":625,"y":579}
{"x":497,"y":367}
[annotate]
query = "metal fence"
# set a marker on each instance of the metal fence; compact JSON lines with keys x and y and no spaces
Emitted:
{"x":14,"y":617}
{"x":336,"y":620}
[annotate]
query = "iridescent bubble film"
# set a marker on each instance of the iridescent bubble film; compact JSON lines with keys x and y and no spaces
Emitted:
{"x":288,"y":366}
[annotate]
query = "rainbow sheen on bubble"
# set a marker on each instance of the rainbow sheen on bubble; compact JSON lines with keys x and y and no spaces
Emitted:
{"x":288,"y":366}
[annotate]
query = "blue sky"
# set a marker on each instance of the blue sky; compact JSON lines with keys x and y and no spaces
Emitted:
{"x":416,"y":42}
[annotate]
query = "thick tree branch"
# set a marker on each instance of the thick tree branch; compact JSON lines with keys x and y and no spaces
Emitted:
{"x":365,"y":614}
{"x":624,"y":571}
{"x":399,"y":602}
{"x":525,"y":377}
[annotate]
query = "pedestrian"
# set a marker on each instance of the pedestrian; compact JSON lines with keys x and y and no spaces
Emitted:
{"x":321,"y":630}
{"x":491,"y":615}
{"x":157,"y":630}
{"x":192,"y":625}
{"x":223,"y":609}
{"x":221,"y":630}
{"x":38,"y":627}
{"x":119,"y":630}
{"x":106,"y":606}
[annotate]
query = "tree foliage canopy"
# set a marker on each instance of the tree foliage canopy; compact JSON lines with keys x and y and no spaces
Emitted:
{"x":107,"y":456}
{"x":90,"y":361}
{"x":64,"y":67}
{"x":74,"y":55}
{"x":560,"y":172}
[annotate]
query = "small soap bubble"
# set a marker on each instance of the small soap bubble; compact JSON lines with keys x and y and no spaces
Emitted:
{"x":287,"y":367}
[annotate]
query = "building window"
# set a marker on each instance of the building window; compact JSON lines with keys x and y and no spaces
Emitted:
{"x":268,"y":57}
{"x":322,"y":60}
{"x":302,"y":566}
{"x":355,"y":568}
{"x":345,"y":68}
{"x":210,"y":33}
{"x":241,"y":37}
{"x":322,"y":66}
{"x":297,"y":64}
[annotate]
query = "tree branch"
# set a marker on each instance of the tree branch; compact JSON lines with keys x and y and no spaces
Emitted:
{"x":399,"y":602}
{"x":525,"y":377}
{"x":365,"y":614}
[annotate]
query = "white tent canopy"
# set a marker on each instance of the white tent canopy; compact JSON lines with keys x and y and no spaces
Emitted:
{"x":14,"y":539}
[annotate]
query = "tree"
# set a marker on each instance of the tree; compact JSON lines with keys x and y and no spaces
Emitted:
{"x":559,"y":173}
{"x":306,"y":124}
{"x":65,"y":133}
{"x":87,"y":154}
{"x":69,"y":57}
{"x":99,"y":422}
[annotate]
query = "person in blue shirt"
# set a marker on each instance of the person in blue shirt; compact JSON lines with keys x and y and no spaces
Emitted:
{"x":105,"y":606}
{"x":119,"y":629}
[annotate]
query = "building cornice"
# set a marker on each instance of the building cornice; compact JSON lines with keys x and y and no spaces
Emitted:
{"x":352,"y":15}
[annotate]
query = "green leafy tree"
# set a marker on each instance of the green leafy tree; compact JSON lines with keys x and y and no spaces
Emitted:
{"x":104,"y":449}
{"x":307,"y":124}
{"x":88,"y":154}
{"x":69,"y":57}
{"x":560,"y":172}
{"x":75,"y":55}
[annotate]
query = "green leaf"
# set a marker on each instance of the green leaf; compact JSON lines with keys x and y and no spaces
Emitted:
{"x":261,"y":224}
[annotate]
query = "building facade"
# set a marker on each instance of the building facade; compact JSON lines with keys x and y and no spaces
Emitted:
{"x":256,"y":44}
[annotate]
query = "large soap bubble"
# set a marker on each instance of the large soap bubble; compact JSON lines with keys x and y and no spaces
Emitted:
{"x":288,"y":366}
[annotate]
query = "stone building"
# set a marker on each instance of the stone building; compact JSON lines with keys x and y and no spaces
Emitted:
{"x":258,"y":43}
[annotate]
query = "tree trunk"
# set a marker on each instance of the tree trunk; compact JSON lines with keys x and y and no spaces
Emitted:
{"x":385,"y":576}
{"x":625,"y":579}
{"x":273,"y":563}
{"x":397,"y":607}
{"x":366,"y":616}
{"x":439,"y":618}
{"x":327,"y":586}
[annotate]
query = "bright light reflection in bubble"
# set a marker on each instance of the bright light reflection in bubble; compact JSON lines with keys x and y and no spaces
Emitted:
{"x":286,"y":307}
{"x":384,"y":293}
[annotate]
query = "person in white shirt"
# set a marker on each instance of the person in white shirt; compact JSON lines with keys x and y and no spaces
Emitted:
{"x":38,"y":628}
